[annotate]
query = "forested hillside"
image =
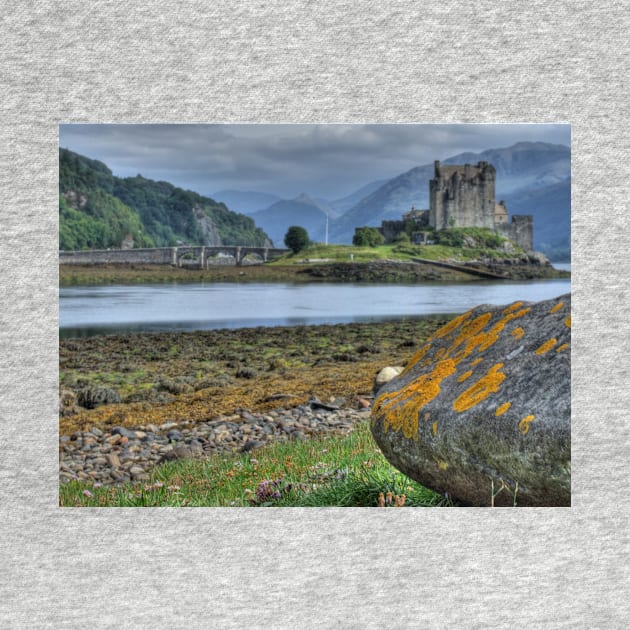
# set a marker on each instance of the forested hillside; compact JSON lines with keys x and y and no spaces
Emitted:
{"x":99,"y":210}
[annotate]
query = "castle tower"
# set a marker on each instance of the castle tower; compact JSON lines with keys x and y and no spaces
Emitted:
{"x":462,"y":196}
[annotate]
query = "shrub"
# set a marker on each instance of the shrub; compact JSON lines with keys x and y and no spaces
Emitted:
{"x":402,"y":239}
{"x":469,"y":237}
{"x":450,"y":237}
{"x":367,"y":237}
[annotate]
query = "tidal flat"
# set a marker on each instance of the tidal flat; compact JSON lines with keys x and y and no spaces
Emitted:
{"x":374,"y":271}
{"x":154,"y":378}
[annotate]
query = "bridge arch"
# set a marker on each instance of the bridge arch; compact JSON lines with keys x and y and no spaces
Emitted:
{"x":196,"y":256}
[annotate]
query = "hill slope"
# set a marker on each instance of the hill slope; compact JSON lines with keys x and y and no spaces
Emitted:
{"x":99,"y":210}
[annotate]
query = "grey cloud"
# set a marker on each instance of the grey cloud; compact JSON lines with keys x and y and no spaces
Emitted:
{"x":323,"y":160}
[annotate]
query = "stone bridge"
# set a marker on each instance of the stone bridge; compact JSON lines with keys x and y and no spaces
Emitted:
{"x":199,"y":256}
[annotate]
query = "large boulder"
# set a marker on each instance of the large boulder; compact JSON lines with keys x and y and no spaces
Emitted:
{"x":482,"y":411}
{"x":94,"y":396}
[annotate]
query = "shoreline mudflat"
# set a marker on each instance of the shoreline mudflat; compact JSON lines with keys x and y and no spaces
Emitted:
{"x":384,"y":271}
{"x":129,"y":401}
{"x":153,"y":378}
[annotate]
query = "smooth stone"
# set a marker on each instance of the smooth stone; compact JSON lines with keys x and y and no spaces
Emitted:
{"x":386,"y":375}
{"x":113,"y":460}
{"x":124,"y":432}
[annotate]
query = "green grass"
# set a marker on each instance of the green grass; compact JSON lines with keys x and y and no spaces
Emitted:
{"x":337,"y":253}
{"x":345,"y":471}
{"x":402,"y":252}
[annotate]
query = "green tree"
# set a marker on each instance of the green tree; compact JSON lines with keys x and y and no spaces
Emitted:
{"x":296,"y":238}
{"x":367,"y":237}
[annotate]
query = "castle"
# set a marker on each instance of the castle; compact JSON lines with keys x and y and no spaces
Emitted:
{"x":464,"y":196}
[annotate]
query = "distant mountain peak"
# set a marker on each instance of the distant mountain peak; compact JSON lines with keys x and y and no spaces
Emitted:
{"x":536,"y":144}
{"x":305,"y":198}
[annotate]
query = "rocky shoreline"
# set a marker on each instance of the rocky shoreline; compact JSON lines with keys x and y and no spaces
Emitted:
{"x":525,"y":267}
{"x":130,"y":401}
{"x":121,"y":455}
{"x":519,"y":268}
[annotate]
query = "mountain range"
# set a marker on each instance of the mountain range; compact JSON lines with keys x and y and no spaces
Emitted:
{"x":532,"y":178}
{"x":277,"y":215}
{"x":98,"y":209}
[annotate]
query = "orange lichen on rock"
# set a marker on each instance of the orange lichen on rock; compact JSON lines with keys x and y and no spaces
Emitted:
{"x":545,"y":347}
{"x":501,"y":409}
{"x":487,"y":385}
{"x":468,"y":337}
{"x":567,"y":322}
{"x":563,"y":347}
{"x":472,"y":335}
{"x":492,"y":336}
{"x":402,"y":407}
{"x":399,"y":410}
{"x":434,"y":428}
{"x":512,"y":307}
{"x":464,"y":376}
{"x":417,"y":356}
{"x":523,"y":425}
{"x":452,"y":325}
{"x":557,"y":307}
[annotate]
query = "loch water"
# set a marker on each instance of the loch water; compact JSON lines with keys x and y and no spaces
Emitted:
{"x":115,"y":309}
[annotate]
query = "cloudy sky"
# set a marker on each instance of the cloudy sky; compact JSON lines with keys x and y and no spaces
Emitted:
{"x":328,"y":161}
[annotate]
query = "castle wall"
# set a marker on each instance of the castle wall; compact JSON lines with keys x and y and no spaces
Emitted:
{"x":391,"y":229}
{"x":520,"y":230}
{"x":417,"y":219}
{"x":462,"y":196}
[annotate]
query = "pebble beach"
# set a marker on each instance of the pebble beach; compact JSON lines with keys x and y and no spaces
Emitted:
{"x":250,"y":387}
